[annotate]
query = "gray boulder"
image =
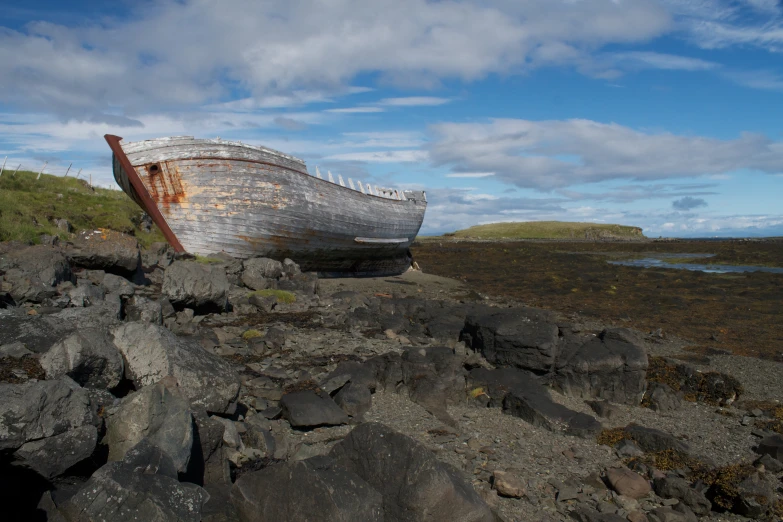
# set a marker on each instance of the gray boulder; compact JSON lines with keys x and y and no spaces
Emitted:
{"x":31,"y":274}
{"x":143,"y":309}
{"x":114,"y":284}
{"x":88,"y":356}
{"x":258,"y":271}
{"x":52,"y":456}
{"x":415,"y":485}
{"x":105,"y":250}
{"x":772,"y":446}
{"x":143,"y":486}
{"x":612,"y":366}
{"x":522,"y":337}
{"x":196,"y":285}
{"x":676,"y":487}
{"x":653,"y":441}
{"x":37,"y":410}
{"x":308,"y":409}
{"x":161,"y":414}
{"x":152,"y":352}
{"x":661,"y":397}
{"x":312,"y":489}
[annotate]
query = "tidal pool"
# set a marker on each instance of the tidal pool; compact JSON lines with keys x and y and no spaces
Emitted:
{"x":661,"y":261}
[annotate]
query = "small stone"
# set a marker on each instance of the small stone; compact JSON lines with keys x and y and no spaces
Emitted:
{"x":626,"y":482}
{"x":637,"y":516}
{"x":757,"y":412}
{"x":507,"y":484}
{"x":566,"y":493}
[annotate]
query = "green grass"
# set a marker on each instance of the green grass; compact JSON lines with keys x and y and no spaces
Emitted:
{"x":251,"y":334}
{"x":282,"y":296}
{"x":548,"y":230}
{"x":29,"y":207}
{"x":207,"y":260}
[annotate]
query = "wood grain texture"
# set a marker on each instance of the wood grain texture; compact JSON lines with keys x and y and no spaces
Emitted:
{"x":251,"y":201}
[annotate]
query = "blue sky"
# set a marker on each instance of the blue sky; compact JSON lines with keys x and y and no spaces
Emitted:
{"x":664,"y":114}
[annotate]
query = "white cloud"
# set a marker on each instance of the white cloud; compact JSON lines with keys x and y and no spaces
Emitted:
{"x":528,"y":153}
{"x":653,"y":60}
{"x":386,"y":156}
{"x":356,"y":110}
{"x":470,"y":174}
{"x":414,"y":101}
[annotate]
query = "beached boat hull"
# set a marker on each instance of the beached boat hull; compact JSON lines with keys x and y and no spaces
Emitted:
{"x":211,"y":196}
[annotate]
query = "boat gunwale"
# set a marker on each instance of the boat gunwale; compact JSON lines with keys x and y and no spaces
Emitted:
{"x":315,"y":178}
{"x":167,"y":142}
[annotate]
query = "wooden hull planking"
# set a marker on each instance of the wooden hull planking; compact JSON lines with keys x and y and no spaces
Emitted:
{"x":218,"y":196}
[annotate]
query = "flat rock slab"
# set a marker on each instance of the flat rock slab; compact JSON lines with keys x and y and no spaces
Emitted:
{"x":653,"y":441}
{"x":415,"y":485}
{"x":312,"y":489}
{"x":196,"y":285}
{"x":307,"y":409}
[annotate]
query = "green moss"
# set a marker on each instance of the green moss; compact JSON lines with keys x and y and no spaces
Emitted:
{"x":207,"y":260}
{"x":251,"y":334}
{"x":29,"y":207}
{"x":282,"y":296}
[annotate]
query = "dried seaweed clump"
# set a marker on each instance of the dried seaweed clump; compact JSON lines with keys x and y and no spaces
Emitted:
{"x":611,"y":436}
{"x":711,"y":387}
{"x":12,"y":370}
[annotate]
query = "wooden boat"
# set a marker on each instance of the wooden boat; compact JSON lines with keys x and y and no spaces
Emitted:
{"x":210,"y":196}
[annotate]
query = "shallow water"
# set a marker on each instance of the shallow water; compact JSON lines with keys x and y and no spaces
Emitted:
{"x":659,"y":261}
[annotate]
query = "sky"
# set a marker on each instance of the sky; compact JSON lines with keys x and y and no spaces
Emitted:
{"x":662,"y":114}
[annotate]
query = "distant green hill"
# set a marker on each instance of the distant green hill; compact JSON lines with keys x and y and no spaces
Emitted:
{"x":549,"y":230}
{"x":29,"y":207}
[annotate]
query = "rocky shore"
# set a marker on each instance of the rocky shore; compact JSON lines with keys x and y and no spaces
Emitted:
{"x":143,"y":385}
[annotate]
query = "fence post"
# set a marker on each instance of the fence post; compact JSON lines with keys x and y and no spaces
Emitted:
{"x":42,"y":169}
{"x":68,"y":170}
{"x":78,"y":173}
{"x":3,"y":167}
{"x":15,"y":171}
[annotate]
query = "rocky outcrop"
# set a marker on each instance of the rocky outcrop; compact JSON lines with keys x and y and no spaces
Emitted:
{"x":160,"y":414}
{"x":88,"y":356}
{"x":151,"y":352}
{"x":611,"y":366}
{"x":312,"y":489}
{"x":258,"y":271}
{"x":31,"y":274}
{"x":105,"y":249}
{"x":413,"y":483}
{"x":143,"y":486}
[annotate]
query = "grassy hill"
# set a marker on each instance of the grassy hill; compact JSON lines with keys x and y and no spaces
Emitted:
{"x":29,"y":207}
{"x":549,"y":230}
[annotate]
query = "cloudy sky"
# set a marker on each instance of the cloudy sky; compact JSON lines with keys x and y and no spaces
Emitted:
{"x":664,"y":114}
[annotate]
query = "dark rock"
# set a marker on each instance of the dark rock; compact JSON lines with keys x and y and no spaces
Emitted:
{"x":653,"y":441}
{"x":522,"y":395}
{"x":114,"y":284}
{"x":143,"y":486}
{"x":611,"y":366}
{"x":196,"y":285}
{"x":586,"y":514}
{"x":433,"y":378}
{"x":308,"y":409}
{"x":258,"y":271}
{"x":604,"y":409}
{"x":312,"y":489}
{"x":206,"y":379}
{"x":143,"y":309}
{"x":37,"y":410}
{"x":52,"y":456}
{"x":161,"y":415}
{"x":414,"y":484}
{"x":772,"y":446}
{"x":524,"y":338}
{"x":105,"y":250}
{"x":32,"y":273}
{"x":675,"y":487}
{"x":16,"y":350}
{"x":662,"y":398}
{"x":754,"y":496}
{"x":303,"y":283}
{"x":263,"y":303}
{"x":354,"y":399}
{"x":290,"y":268}
{"x":667,"y":514}
{"x":85,"y":294}
{"x":770,"y":464}
{"x":628,"y":448}
{"x":208,"y":464}
{"x":88,"y":356}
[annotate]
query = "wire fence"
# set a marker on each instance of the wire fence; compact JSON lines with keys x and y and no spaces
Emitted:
{"x":9,"y":167}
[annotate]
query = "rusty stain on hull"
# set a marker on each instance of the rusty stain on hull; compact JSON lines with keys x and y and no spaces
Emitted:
{"x":249,"y":201}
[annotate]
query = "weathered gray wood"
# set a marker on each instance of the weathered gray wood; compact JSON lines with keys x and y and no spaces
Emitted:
{"x":3,"y":167}
{"x":246,"y":208}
